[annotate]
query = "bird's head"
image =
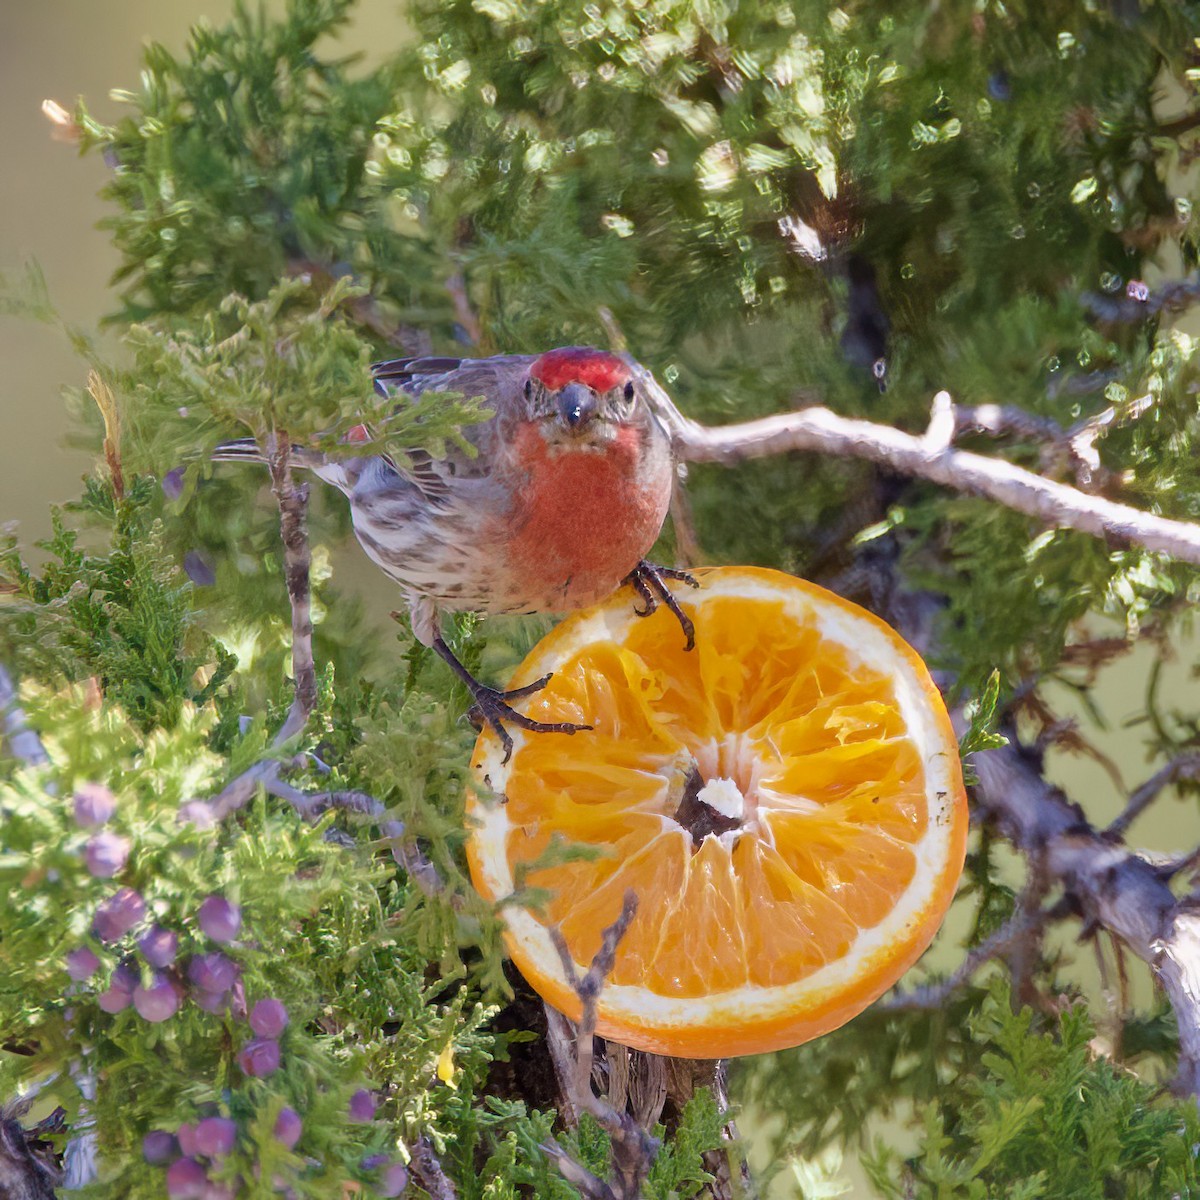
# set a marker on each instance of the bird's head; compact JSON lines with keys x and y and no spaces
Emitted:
{"x":581,"y":396}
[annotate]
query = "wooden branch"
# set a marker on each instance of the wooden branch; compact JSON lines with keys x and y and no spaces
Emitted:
{"x":297,"y":562}
{"x":1056,"y":504}
{"x":928,"y":456}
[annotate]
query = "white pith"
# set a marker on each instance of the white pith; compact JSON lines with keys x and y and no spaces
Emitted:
{"x":730,"y":771}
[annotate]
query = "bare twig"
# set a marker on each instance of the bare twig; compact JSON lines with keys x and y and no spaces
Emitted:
{"x":1002,"y":420}
{"x":934,"y":996}
{"x":633,"y":1149}
{"x":1186,"y":766}
{"x":1170,"y":865}
{"x":928,"y":456}
{"x":23,"y":742}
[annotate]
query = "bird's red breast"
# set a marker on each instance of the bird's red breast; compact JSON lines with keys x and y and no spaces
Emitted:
{"x":582,"y":519}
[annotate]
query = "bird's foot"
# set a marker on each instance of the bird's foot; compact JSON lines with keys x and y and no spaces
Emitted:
{"x":492,"y":707}
{"x":649,"y":581}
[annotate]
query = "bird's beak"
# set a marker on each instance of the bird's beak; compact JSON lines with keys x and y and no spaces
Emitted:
{"x":576,"y":406}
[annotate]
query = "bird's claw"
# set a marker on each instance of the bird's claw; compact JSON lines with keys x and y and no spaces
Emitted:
{"x":648,"y":581}
{"x":492,"y":708}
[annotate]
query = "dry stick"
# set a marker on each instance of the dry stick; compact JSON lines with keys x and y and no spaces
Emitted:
{"x":1115,"y":887}
{"x":1023,"y":953}
{"x":929,"y":456}
{"x":1081,"y":439}
{"x":1186,"y":766}
{"x":633,"y":1149}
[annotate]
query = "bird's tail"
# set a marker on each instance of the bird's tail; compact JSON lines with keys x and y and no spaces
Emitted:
{"x":248,"y":450}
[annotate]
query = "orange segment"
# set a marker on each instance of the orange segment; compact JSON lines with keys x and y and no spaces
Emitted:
{"x":785,"y":800}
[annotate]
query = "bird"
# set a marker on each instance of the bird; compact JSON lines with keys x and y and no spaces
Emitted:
{"x":566,"y":491}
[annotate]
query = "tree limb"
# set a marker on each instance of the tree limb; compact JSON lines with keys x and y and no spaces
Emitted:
{"x":1114,"y":886}
{"x":929,"y":456}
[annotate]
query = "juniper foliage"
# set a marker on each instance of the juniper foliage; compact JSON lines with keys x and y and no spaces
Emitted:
{"x":767,"y":203}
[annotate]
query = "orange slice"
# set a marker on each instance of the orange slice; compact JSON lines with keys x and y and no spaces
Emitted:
{"x":786,"y":800}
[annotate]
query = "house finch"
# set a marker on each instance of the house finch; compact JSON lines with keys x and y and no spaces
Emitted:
{"x":567,"y":491}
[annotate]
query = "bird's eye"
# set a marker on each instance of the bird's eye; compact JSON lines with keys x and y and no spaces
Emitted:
{"x":529,"y":389}
{"x":629,"y":390}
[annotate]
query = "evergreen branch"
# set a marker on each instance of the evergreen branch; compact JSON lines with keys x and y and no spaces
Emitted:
{"x":929,"y":456}
{"x":1185,"y":766}
{"x":1115,"y":888}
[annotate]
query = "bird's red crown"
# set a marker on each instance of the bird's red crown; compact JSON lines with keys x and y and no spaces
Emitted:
{"x":599,"y":369}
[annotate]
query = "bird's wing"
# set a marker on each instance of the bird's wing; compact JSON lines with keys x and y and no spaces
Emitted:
{"x":498,"y":380}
